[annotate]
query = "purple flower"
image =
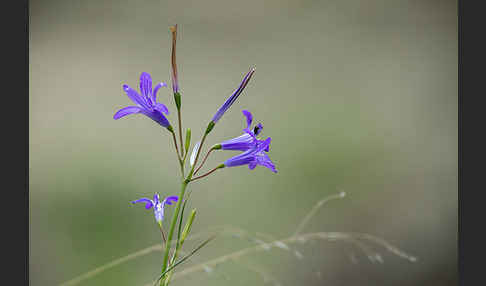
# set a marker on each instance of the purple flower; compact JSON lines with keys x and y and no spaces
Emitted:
{"x":227,"y":104}
{"x":253,"y":157}
{"x":145,"y":103}
{"x":157,"y":205}
{"x":248,"y":139}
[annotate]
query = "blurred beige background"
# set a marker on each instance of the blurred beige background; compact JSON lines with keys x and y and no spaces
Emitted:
{"x":358,"y":96}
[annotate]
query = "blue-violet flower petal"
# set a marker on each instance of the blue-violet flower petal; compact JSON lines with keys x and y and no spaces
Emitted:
{"x":227,"y":104}
{"x":146,"y":103}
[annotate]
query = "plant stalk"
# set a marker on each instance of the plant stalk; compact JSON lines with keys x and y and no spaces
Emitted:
{"x":204,"y":160}
{"x":172,"y":226}
{"x":180,"y":132}
{"x":208,"y":173}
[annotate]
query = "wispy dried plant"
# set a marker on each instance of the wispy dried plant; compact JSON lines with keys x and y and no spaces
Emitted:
{"x":263,"y":243}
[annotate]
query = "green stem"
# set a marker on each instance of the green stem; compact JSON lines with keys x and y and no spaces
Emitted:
{"x":209,"y":173}
{"x":181,"y":198}
{"x":204,"y":160}
{"x":184,"y":159}
{"x":169,"y":275}
{"x":172,"y":225}
{"x":163,"y":235}
{"x":175,"y":144}
{"x":181,"y":239}
{"x":180,"y":131}
{"x":178,"y":244}
{"x":181,"y":163}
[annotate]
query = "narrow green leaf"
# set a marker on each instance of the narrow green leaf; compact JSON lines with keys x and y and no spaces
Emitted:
{"x":187,"y":228}
{"x":185,"y":257}
{"x":188,"y":139}
{"x":180,"y":224}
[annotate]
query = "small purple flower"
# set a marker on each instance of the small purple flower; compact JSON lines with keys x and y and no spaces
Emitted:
{"x":146,"y":103}
{"x":157,"y":205}
{"x":248,"y":139}
{"x":227,"y":104}
{"x":253,"y":157}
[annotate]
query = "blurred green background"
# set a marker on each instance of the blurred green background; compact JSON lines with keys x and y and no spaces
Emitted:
{"x":358,"y":96}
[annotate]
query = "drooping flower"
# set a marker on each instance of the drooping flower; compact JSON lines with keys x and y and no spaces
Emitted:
{"x":146,"y":103}
{"x":157,"y":205}
{"x":227,"y":104}
{"x":253,"y":157}
{"x":248,"y":139}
